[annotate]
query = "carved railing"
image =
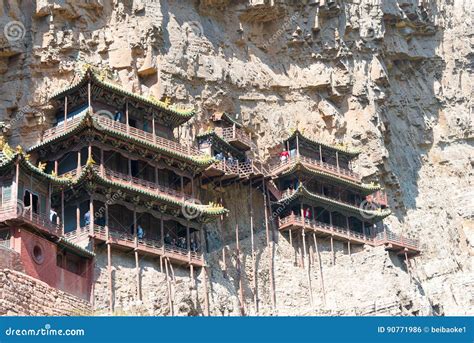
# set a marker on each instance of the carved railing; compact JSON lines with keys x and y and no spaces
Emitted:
{"x":317,"y":225}
{"x":41,"y":221}
{"x":174,"y":251}
{"x":60,"y":128}
{"x":143,"y":184}
{"x":323,"y":166}
{"x":387,"y":236}
{"x":149,"y":137}
{"x":233,"y":133}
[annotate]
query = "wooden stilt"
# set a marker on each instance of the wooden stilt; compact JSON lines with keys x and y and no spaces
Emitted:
{"x":332,"y":251}
{"x":308,"y":270}
{"x":170,"y":301}
{"x":254,"y":264}
{"x":295,"y":260}
{"x":191,"y":275}
{"x":267,"y":229}
{"x":206,"y":293}
{"x":137,"y":269}
{"x":408,"y":265}
{"x":349,"y":248}
{"x":239,"y":271}
{"x":320,"y":267}
{"x":109,"y":259}
{"x":266,"y":197}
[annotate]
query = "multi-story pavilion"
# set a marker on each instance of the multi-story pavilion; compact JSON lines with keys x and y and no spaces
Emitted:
{"x":319,"y":193}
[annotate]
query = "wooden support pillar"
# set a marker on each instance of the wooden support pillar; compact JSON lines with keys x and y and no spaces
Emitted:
{"x":127,"y":122}
{"x":188,"y":243}
{"x":89,"y":95}
{"x":63,"y":220}
{"x":168,"y":285}
{"x":157,"y":181}
{"x":102,"y":168}
{"x":79,"y":167}
{"x":135,"y":237}
{"x":239,"y":271}
{"x":252,"y":244}
{"x":272,"y":259}
{"x":204,"y":270}
{"x":408,"y":265}
{"x":297,"y":145}
{"x":78,"y":217}
{"x":303,"y":239}
{"x":162,"y":230}
{"x":332,"y":251}
{"x":91,"y":215}
{"x":349,"y":247}
{"x":65,"y":111}
{"x":56,"y":167}
{"x":320,"y":154}
{"x":363,"y":229}
{"x":153,"y":128}
{"x":182,"y":184}
{"x":139,"y":286}
{"x":337,"y":160}
{"x":267,"y":229}
{"x":109,"y":259}
{"x":130,"y":169}
{"x":295,"y":261}
{"x":192,"y":186}
{"x":320,"y":267}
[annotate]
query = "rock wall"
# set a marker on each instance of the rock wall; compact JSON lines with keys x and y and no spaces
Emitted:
{"x":22,"y":295}
{"x":393,"y":78}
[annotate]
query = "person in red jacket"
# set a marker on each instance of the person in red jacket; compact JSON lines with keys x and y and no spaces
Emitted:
{"x":284,"y":156}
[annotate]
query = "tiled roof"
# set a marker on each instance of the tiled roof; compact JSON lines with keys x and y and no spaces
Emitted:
{"x":301,"y":191}
{"x":176,"y":115}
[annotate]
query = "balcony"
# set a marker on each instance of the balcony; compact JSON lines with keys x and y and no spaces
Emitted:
{"x":235,"y":137}
{"x":142,"y":184}
{"x":379,"y":199}
{"x":315,"y":164}
{"x":323,"y":230}
{"x":228,"y":170}
{"x":15,"y":214}
{"x":126,"y":130}
{"x":146,"y":246}
{"x":397,"y":243}
{"x":392,"y":241}
{"x":149,"y":137}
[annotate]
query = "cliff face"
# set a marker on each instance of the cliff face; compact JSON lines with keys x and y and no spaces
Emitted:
{"x":393,"y":78}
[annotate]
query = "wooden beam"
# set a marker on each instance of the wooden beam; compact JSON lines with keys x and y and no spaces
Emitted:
{"x":332,"y":251}
{"x":239,"y":271}
{"x":137,"y":269}
{"x":65,"y":111}
{"x":252,"y":244}
{"x":320,"y":267}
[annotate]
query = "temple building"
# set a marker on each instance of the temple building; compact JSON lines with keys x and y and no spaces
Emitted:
{"x":110,"y":172}
{"x":319,"y":194}
{"x":109,"y":186}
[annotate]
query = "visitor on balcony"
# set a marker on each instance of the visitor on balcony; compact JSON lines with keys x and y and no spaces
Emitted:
{"x":231,"y":160}
{"x":168,"y":239}
{"x":284,"y":156}
{"x":194,"y":246}
{"x":307,"y":214}
{"x":219,"y":156}
{"x":53,"y":216}
{"x":140,"y":232}
{"x":87,"y":218}
{"x":118,"y":116}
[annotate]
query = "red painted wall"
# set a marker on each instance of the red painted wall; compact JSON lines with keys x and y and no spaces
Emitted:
{"x":45,"y":268}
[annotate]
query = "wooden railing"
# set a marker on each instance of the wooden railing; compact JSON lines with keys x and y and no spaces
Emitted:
{"x":317,"y":225}
{"x":242,"y":169}
{"x":143,"y":184}
{"x":390,"y":237}
{"x":379,"y":238}
{"x":182,"y":254}
{"x":60,"y":128}
{"x":41,"y":221}
{"x":149,"y":137}
{"x":323,"y":166}
{"x":230,"y":134}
